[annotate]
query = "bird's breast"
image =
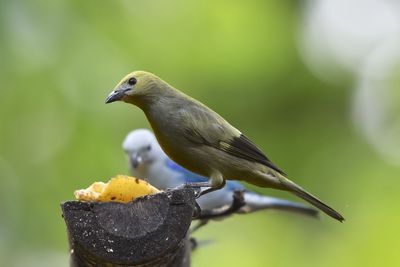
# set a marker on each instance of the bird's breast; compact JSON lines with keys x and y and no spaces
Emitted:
{"x":169,"y":131}
{"x":185,"y":154}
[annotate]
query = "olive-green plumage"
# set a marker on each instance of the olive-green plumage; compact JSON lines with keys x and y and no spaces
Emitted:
{"x":202,"y":141}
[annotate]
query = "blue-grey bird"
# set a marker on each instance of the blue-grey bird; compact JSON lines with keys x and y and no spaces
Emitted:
{"x":203,"y":142}
{"x":148,"y":161}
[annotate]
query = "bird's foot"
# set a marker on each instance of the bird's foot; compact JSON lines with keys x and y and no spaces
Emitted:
{"x":197,"y":185}
{"x":206,"y":191}
{"x":197,"y":192}
{"x":237,"y":203}
{"x":196,"y":211}
{"x":212,"y":188}
{"x":197,"y":188}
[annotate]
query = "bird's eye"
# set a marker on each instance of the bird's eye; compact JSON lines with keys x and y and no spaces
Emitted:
{"x":148,"y":148}
{"x":132,"y":81}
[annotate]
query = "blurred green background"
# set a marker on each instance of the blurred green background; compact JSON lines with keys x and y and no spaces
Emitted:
{"x":60,"y":59}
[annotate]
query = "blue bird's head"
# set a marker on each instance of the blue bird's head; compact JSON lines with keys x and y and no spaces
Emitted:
{"x":142,"y":150}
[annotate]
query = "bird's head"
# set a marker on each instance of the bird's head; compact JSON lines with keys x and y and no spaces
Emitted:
{"x":142,"y":149}
{"x":135,"y":86}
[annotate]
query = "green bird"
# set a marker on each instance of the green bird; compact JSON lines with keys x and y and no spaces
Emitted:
{"x":203,"y":142}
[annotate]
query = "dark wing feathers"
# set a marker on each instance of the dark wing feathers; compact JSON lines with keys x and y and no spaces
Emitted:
{"x":242,"y":147}
{"x":208,"y":128}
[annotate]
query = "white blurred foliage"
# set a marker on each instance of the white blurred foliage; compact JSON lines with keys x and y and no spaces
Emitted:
{"x":338,"y":35}
{"x":377,"y":100}
{"x":360,"y":39}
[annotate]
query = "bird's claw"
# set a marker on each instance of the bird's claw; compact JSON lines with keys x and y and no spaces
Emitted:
{"x":238,"y":200}
{"x":196,"y":211}
{"x":197,"y":192}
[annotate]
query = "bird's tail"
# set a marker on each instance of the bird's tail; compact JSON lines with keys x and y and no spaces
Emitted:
{"x":300,"y":192}
{"x":255,"y":202}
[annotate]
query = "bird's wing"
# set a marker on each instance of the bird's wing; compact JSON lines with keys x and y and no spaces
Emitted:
{"x":204,"y":126}
{"x":242,"y":147}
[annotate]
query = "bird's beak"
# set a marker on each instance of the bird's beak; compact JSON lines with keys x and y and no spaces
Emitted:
{"x":115,"y":95}
{"x":135,"y":161}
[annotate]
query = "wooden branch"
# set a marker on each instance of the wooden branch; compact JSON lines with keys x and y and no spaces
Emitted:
{"x":149,"y":231}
